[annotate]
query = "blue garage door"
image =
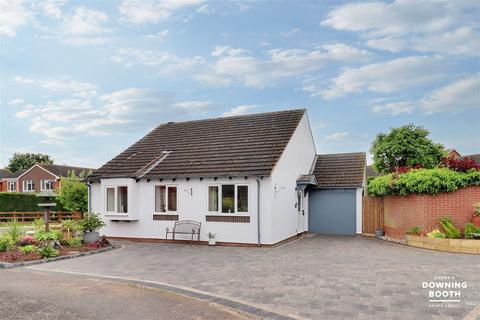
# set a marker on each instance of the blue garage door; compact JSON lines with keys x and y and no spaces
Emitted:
{"x":332,"y":211}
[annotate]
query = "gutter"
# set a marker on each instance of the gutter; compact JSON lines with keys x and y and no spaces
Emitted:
{"x":258,"y":212}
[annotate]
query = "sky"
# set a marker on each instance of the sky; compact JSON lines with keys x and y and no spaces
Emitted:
{"x":83,"y":80}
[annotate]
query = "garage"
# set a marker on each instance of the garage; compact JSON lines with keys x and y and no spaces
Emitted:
{"x":332,"y":211}
{"x":335,"y":201}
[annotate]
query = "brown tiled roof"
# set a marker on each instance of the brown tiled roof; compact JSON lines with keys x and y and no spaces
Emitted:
{"x":340,"y":170}
{"x":247,"y":145}
{"x":64,"y":171}
{"x":4,"y":173}
{"x":371,"y":172}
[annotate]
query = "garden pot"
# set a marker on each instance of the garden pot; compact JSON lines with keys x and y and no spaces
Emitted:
{"x":211,"y":242}
{"x":378,"y":233}
{"x":476,"y":220}
{"x":90,"y":237}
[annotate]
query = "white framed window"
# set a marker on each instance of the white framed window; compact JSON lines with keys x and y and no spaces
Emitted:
{"x":46,"y":185}
{"x":12,"y":186}
{"x":166,"y":199}
{"x":116,"y":199}
{"x":28,"y":186}
{"x":228,"y":198}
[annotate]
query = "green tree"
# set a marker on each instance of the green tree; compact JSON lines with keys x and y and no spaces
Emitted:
{"x":74,"y":194}
{"x":20,"y":161}
{"x":405,"y":146}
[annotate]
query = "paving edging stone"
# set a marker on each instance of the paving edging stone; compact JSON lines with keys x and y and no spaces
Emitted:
{"x":8,"y":265}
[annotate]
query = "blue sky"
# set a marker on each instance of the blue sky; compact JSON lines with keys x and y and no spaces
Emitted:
{"x":82,"y":80}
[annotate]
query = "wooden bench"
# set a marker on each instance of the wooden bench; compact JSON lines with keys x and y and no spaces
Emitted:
{"x":185,"y":227}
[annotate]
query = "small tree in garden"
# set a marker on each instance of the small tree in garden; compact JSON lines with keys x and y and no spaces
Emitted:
{"x":74,"y":194}
{"x":407,"y":146}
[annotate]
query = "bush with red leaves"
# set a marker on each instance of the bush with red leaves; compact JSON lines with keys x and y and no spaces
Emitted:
{"x":406,"y":169}
{"x":100,"y":243}
{"x":28,"y":240}
{"x":461,"y":164}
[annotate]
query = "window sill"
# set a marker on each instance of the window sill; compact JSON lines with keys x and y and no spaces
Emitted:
{"x":115,"y":214}
{"x":235,"y":218}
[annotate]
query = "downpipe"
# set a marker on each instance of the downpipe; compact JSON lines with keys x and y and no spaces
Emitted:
{"x":258,"y":213}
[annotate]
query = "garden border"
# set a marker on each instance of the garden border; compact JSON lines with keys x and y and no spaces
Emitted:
{"x":8,"y":265}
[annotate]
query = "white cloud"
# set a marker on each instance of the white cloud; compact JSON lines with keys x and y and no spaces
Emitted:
{"x":14,"y":14}
{"x":16,"y":102}
{"x":458,"y":95}
{"x":79,"y":89}
{"x":337,"y":136}
{"x":445,"y":26}
{"x":205,"y":9}
{"x":52,"y":8}
{"x":241,"y":66}
{"x":120,"y":111}
{"x":157,"y":36}
{"x":166,"y":61}
{"x":85,"y":21}
{"x":86,"y":41}
{"x":240,"y":110}
{"x":386,"y":77}
{"x":290,"y":32}
{"x":152,"y":11}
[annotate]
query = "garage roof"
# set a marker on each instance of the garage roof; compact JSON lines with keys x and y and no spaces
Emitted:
{"x":340,"y":170}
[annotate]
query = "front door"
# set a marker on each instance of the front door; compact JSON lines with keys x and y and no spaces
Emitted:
{"x":300,"y":212}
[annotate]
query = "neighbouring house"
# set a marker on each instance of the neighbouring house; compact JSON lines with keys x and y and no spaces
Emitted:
{"x":247,"y":179}
{"x":371,"y":173}
{"x":39,"y":177}
{"x":8,"y":181}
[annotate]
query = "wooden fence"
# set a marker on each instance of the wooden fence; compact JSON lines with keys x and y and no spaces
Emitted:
{"x":30,"y":216}
{"x":372,"y":214}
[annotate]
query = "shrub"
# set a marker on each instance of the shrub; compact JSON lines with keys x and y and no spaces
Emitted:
{"x":422,"y":181}
{"x":28,"y":240}
{"x":74,"y":193}
{"x":21,"y":202}
{"x":416,"y":230}
{"x":38,"y":223}
{"x":43,"y":236}
{"x":450,"y":231}
{"x":100,"y":243}
{"x":27,"y":249}
{"x":70,"y":226}
{"x":461,"y":164}
{"x":74,"y":242}
{"x":6,"y":243}
{"x":14,"y":230}
{"x":91,"y":222}
{"x":471,"y":231}
{"x":47,"y":252}
{"x":435,"y":234}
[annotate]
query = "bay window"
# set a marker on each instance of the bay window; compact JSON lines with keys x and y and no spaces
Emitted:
{"x":165,"y":199}
{"x":116,"y":199}
{"x":228,"y":198}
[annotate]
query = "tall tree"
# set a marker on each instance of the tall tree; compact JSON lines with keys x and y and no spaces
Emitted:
{"x":20,"y":161}
{"x":405,"y":146}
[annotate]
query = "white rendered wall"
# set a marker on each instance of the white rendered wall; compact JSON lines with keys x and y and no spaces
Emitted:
{"x":297,"y":159}
{"x":191,"y":205}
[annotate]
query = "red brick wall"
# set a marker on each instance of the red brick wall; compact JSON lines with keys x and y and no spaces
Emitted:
{"x":36,"y":174}
{"x":402,"y":213}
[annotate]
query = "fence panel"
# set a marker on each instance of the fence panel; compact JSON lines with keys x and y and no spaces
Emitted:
{"x":30,"y":216}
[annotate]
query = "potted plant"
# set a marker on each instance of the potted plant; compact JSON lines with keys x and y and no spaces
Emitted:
{"x":90,"y":224}
{"x":476,"y":215}
{"x":211,"y":239}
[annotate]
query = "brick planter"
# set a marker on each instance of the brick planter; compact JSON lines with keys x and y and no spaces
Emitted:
{"x":447,"y":245}
{"x":402,"y":213}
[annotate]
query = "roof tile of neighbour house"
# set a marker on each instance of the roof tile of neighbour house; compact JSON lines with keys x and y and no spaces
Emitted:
{"x":340,"y":170}
{"x":371,"y":172}
{"x":475,"y":157}
{"x":4,"y":173}
{"x":248,"y":145}
{"x":63,"y":171}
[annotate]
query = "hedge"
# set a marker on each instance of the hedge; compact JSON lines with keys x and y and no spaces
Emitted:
{"x":21,"y":202}
{"x":422,"y":181}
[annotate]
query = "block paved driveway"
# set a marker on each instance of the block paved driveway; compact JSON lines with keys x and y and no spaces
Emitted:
{"x":316,"y":277}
